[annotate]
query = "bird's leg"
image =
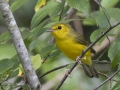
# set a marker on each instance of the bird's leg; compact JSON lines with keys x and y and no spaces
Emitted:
{"x":78,"y":59}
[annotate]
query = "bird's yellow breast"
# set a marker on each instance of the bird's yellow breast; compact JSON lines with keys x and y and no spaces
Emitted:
{"x":72,"y":49}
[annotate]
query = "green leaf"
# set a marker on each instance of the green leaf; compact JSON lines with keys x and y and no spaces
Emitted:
{"x":80,"y":5}
{"x":56,"y":10}
{"x":113,"y":50}
{"x":115,"y":60}
{"x":102,"y":21}
{"x":116,"y":85}
{"x":109,"y":3}
{"x":37,"y":31}
{"x":36,"y":61}
{"x":4,"y":37}
{"x":5,"y":64}
{"x":45,"y":50}
{"x":114,"y":13}
{"x":55,"y":53}
{"x":17,"y":4}
{"x":63,"y":21}
{"x":96,"y":34}
{"x":112,"y":35}
{"x":14,"y":73}
{"x":42,"y":13}
{"x":32,"y":45}
{"x":40,"y":3}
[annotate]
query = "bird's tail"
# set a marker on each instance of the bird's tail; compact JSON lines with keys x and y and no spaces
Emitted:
{"x":90,"y":71}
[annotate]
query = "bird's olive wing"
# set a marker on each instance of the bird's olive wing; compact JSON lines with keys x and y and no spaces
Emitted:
{"x":82,"y":40}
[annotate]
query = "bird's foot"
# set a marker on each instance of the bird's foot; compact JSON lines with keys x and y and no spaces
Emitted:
{"x":78,"y":59}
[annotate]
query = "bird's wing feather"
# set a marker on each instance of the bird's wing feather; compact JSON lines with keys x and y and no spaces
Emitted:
{"x":81,"y":40}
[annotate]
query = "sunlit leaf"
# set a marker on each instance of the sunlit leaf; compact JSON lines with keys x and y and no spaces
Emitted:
{"x":43,"y":12}
{"x":40,"y":4}
{"x":36,"y":61}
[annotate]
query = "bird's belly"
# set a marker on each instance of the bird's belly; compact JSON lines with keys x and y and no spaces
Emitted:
{"x":72,"y":50}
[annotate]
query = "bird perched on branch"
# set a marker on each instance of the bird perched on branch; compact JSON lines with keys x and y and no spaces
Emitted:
{"x":72,"y":44}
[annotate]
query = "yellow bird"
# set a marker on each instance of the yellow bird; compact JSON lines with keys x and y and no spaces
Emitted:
{"x":72,"y":44}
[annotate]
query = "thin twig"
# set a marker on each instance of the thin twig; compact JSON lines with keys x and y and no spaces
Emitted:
{"x":83,"y":53}
{"x":60,"y":67}
{"x":107,"y":79}
{"x":110,"y":84}
{"x":106,"y":76}
{"x":98,"y":2}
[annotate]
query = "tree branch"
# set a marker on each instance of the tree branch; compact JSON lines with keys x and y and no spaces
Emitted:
{"x":107,"y":79}
{"x":19,"y":45}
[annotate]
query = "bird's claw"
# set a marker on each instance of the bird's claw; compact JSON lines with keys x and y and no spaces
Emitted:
{"x":78,"y":59}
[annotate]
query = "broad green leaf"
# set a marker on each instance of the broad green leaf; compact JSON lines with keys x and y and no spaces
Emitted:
{"x":66,"y":8}
{"x":55,"y":53}
{"x":109,"y":3}
{"x":17,"y":4}
{"x":4,"y":37}
{"x":37,"y":31}
{"x":25,"y":87}
{"x":32,"y":45}
{"x":80,"y":5}
{"x":14,"y":73}
{"x":116,"y":85}
{"x":102,"y":21}
{"x":47,"y":49}
{"x":40,"y":4}
{"x":5,"y":64}
{"x":56,"y":10}
{"x":114,"y":50}
{"x":115,"y":60}
{"x":96,"y":34}
{"x":36,"y":61}
{"x":42,"y":13}
{"x":114,"y":13}
{"x":63,"y":21}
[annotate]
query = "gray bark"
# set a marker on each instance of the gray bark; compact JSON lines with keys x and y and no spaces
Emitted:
{"x":19,"y":45}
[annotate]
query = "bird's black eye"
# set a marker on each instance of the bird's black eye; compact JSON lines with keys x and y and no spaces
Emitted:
{"x":59,"y":27}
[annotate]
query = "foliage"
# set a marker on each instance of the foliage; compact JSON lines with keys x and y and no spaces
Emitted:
{"x":35,"y":37}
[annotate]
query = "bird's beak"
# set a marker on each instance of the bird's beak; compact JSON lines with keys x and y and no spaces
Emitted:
{"x":50,"y":30}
